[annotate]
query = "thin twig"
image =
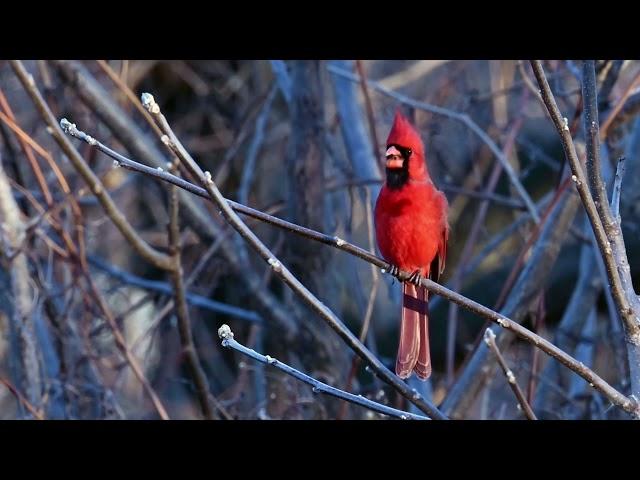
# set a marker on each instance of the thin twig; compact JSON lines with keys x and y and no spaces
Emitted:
{"x":135,"y":240}
{"x":254,"y":147}
{"x":182,"y":312}
{"x":121,"y":343}
{"x":604,"y":242}
{"x":467,"y":250}
{"x":464,"y":119}
{"x":115,"y":78}
{"x":605,"y":227}
{"x":369,"y":107}
{"x":374,"y":271}
{"x":616,"y":397}
{"x":9,"y":118}
{"x":496,"y":198}
{"x":591,"y":126}
{"x":606,"y":125}
{"x":528,"y":82}
{"x":375,"y":275}
{"x":164,"y":287}
{"x":280,"y":270}
{"x":490,"y":340}
{"x":12,"y":232}
{"x":21,"y":399}
{"x":617,"y":186}
{"x":225,"y":334}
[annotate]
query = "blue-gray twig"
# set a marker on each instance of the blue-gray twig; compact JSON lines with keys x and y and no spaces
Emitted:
{"x":225,"y":333}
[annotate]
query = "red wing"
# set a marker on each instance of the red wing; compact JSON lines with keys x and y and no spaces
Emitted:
{"x":438,"y":264}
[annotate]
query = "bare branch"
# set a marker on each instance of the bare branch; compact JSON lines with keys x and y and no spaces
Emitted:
{"x":283,"y":78}
{"x":490,"y":340}
{"x":121,"y":343}
{"x":279,"y":269}
{"x":616,"y":397}
{"x":606,"y":228}
{"x":224,"y":332}
{"x":182,"y":312}
{"x":530,"y":275}
{"x":606,"y":125}
{"x":164,"y":287}
{"x":129,"y":94}
{"x":591,"y":126}
{"x":14,"y":391}
{"x":154,"y":257}
{"x":12,"y":232}
{"x":617,"y":187}
{"x":254,"y":148}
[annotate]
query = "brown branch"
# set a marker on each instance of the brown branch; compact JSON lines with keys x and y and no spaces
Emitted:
{"x":153,"y":256}
{"x":12,"y":232}
{"x":121,"y":343}
{"x":556,"y":219}
{"x":130,"y":135}
{"x":606,"y":125}
{"x":207,"y":402}
{"x":14,"y":391}
{"x":75,"y":208}
{"x":9,"y":118}
{"x":606,"y":228}
{"x":364,"y":330}
{"x":467,"y":250}
{"x":490,"y":340}
{"x":279,"y":269}
{"x":614,"y":396}
{"x":115,"y":78}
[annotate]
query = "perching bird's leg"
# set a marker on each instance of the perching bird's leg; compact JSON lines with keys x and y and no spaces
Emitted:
{"x":394,"y":271}
{"x":415,"y":278}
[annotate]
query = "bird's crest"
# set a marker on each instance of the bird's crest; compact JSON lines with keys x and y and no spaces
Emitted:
{"x":404,"y":134}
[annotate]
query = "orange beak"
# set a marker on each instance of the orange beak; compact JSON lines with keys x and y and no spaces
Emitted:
{"x":394,"y":158}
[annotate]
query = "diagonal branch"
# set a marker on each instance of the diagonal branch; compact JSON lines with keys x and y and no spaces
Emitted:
{"x":617,"y":187}
{"x":121,"y":343}
{"x":225,"y":333}
{"x":490,"y":340}
{"x":143,"y":249}
{"x":16,"y":393}
{"x":611,"y":393}
{"x":12,"y":235}
{"x":605,"y":227}
{"x":279,"y":269}
{"x":207,"y":402}
{"x":164,"y":287}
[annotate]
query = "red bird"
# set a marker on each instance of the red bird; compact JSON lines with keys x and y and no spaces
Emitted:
{"x":412,"y":232}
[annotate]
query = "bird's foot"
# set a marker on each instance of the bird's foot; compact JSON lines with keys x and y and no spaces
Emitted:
{"x":415,"y":278}
{"x":393,"y":271}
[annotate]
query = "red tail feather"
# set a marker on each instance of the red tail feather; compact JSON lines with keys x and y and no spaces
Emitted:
{"x":413,"y":351}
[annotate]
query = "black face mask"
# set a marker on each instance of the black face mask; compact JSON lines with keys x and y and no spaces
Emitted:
{"x":397,"y":177}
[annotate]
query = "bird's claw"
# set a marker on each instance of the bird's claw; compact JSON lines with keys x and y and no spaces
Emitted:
{"x":393,"y":271}
{"x":415,"y":278}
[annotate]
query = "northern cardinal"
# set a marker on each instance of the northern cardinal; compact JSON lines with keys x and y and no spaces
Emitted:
{"x":412,"y":233}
